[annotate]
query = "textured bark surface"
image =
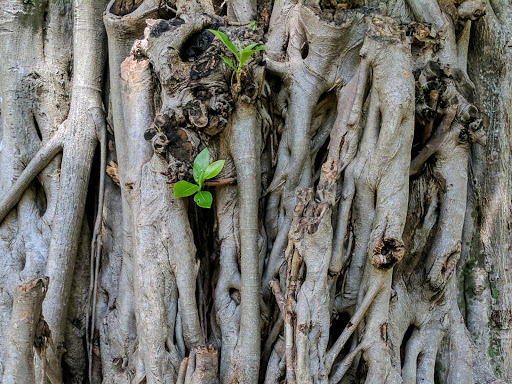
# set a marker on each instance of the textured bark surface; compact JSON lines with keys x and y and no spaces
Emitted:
{"x":360,"y":228}
{"x":28,"y":332}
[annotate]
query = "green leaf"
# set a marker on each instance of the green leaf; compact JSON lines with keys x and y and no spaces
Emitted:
{"x":203,"y":199}
{"x":250,"y":46}
{"x":201,"y":161}
{"x":196,"y":172}
{"x":248,"y":51}
{"x":200,"y":164}
{"x":214,"y":169}
{"x":244,"y":56}
{"x":228,"y":62}
{"x":184,"y":188}
{"x":201,"y":179}
{"x":222,"y":37}
{"x":260,"y":48}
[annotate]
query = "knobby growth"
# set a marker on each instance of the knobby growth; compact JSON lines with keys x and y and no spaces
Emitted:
{"x":338,"y":163}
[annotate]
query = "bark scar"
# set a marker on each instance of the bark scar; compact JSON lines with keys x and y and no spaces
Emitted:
{"x":387,"y":252}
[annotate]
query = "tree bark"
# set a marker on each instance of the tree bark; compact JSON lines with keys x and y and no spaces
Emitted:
{"x":26,"y":328}
{"x":360,"y":226}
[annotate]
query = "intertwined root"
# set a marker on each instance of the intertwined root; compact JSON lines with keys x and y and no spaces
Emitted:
{"x":350,"y":266}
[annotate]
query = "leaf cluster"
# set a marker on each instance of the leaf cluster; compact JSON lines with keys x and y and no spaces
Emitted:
{"x":241,"y":54}
{"x":202,"y":171}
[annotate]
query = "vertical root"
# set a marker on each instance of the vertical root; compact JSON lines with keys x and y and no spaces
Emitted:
{"x":339,"y":259}
{"x":206,"y":365}
{"x":345,"y":364}
{"x":276,"y":364}
{"x":271,"y":339}
{"x":412,"y":350}
{"x":96,"y":245}
{"x":25,"y":322}
{"x":362,"y":309}
{"x":227,"y":309}
{"x":182,"y":372}
{"x":245,"y":149}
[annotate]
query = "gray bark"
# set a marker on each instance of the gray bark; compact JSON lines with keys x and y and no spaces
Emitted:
{"x":360,"y":227}
{"x":27,"y":326}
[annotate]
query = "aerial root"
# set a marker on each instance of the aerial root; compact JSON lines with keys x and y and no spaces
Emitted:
{"x":343,"y":367}
{"x":271,"y":339}
{"x":26,"y":333}
{"x":352,"y":325}
{"x":182,"y":371}
{"x":201,"y":366}
{"x":276,"y":364}
{"x":96,"y":244}
{"x":281,"y":300}
{"x":36,"y":165}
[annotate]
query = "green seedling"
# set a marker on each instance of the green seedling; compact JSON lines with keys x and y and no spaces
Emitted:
{"x":252,"y":25}
{"x":241,"y":54}
{"x":202,"y":171}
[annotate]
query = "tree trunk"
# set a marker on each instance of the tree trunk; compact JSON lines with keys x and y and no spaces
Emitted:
{"x":360,"y":225}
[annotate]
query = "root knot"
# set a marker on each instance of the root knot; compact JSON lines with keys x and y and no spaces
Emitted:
{"x":387,"y":253}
